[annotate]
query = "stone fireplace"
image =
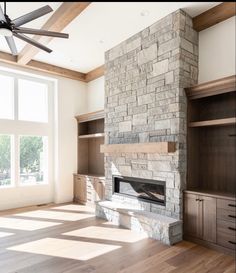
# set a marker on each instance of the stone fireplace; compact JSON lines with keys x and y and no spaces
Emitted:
{"x":145,"y":103}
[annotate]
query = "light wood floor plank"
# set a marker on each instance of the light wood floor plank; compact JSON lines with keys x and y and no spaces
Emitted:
{"x":70,"y":239}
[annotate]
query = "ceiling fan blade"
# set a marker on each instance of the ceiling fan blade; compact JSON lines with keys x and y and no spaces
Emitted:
{"x":40,"y":32}
{"x":32,"y":15}
{"x":2,"y":16}
{"x":32,"y":42}
{"x":11,"y":44}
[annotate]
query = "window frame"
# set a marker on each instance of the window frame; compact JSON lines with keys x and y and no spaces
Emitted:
{"x":17,"y":128}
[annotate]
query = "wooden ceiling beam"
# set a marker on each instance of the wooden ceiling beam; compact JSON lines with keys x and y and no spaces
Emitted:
{"x":44,"y":67}
{"x":214,"y":16}
{"x":94,"y":74}
{"x":67,"y":12}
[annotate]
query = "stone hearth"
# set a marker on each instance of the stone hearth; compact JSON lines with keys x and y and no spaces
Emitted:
{"x":145,"y":77}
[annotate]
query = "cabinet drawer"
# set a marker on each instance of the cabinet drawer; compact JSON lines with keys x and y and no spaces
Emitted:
{"x":226,"y":240}
{"x":226,"y":215}
{"x":226,"y":227}
{"x":226,"y":204}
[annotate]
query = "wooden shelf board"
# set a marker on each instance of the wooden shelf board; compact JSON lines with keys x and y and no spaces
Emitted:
{"x":92,"y":135}
{"x":152,"y":147}
{"x":217,"y":194}
{"x":214,"y":122}
{"x":212,"y":88}
{"x":91,"y":116}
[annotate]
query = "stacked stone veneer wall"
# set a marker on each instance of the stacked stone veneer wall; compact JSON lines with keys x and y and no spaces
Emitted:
{"x":145,"y":77}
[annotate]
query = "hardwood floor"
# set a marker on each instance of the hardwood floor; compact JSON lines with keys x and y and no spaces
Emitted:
{"x":69,"y":239}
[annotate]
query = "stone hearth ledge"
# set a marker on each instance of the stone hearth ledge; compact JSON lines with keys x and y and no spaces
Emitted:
{"x":163,"y":228}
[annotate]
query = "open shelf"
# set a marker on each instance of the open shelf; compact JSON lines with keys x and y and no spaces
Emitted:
{"x":214,"y":122}
{"x":97,"y":135}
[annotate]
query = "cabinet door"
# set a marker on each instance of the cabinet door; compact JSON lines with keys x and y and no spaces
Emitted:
{"x":80,"y":190}
{"x":209,"y":218}
{"x":192,"y":215}
{"x":99,"y":190}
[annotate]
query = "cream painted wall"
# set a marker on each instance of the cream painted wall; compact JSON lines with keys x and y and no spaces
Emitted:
{"x":217,"y":51}
{"x":96,"y":92}
{"x":70,"y":100}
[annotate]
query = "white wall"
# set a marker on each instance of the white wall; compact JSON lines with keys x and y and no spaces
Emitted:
{"x":71,"y":99}
{"x":96,"y":94}
{"x":217,"y":51}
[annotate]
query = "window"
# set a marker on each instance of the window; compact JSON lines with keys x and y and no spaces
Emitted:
{"x":32,"y":101}
{"x":26,"y":130}
{"x":33,"y":159}
{"x":6,"y":97}
{"x":5,"y":160}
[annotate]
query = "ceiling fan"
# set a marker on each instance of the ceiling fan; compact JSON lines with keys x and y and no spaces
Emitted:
{"x":10,"y":28}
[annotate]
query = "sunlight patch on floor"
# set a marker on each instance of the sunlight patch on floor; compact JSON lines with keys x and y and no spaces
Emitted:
{"x":22,"y":224}
{"x":74,"y":207}
{"x":55,"y":215}
{"x":106,"y":233}
{"x":5,"y":234}
{"x":65,"y":248}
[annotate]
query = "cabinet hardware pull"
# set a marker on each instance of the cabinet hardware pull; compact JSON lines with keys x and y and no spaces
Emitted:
{"x":231,"y":228}
{"x":232,"y":205}
{"x":232,"y":216}
{"x":201,"y":200}
{"x":197,"y":199}
{"x":234,"y":243}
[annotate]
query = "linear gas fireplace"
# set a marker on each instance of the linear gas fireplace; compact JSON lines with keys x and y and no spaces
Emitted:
{"x":143,"y":189}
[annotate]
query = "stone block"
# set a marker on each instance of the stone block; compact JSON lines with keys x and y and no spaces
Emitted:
{"x":162,"y":124}
{"x":140,"y":119}
{"x":125,"y":170}
{"x":185,"y":44}
{"x":169,"y":77}
{"x":168,"y":46}
{"x":160,"y":67}
{"x":147,"y":54}
{"x":133,"y":44}
{"x":142,"y":173}
{"x":125,"y":126}
{"x":145,"y":99}
{"x":159,"y":166}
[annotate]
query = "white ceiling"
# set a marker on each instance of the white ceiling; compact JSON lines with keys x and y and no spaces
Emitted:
{"x":98,"y":28}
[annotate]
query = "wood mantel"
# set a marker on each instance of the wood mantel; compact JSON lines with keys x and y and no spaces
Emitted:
{"x":152,"y":147}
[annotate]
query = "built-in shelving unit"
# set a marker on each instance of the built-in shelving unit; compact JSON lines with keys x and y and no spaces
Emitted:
{"x":209,"y":201}
{"x":90,"y":137}
{"x":89,"y":181}
{"x":211,"y":130}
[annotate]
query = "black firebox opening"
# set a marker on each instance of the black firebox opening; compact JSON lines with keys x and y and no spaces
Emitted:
{"x":143,"y":189}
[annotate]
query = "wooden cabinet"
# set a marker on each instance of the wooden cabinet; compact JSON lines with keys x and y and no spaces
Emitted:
{"x":192,"y":212}
{"x":88,"y":189}
{"x":200,"y":217}
{"x":80,"y":191}
{"x":210,"y":218}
